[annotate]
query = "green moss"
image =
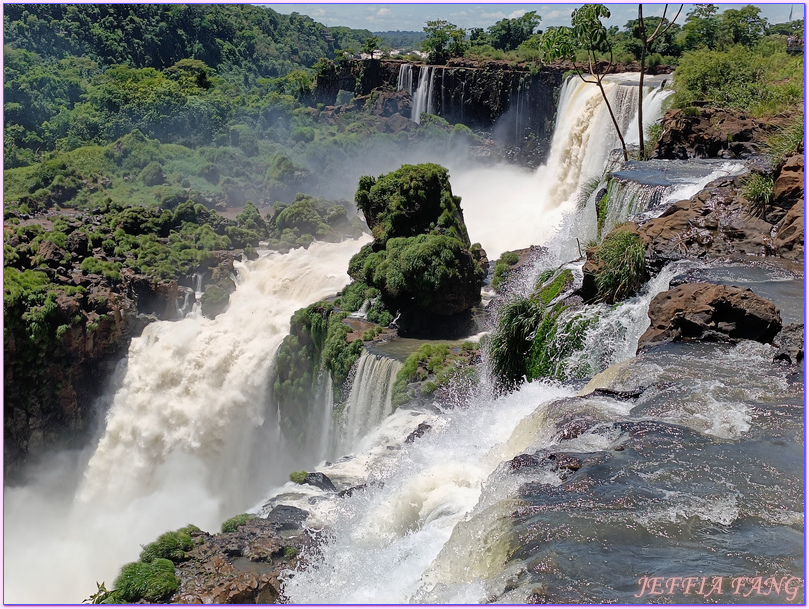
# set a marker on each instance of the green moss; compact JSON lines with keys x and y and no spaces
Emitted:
{"x":231,"y":525}
{"x":502,"y":268}
{"x":441,"y":363}
{"x":550,"y":290}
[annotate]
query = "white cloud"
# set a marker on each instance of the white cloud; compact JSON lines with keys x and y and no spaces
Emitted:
{"x":380,"y":16}
{"x":497,"y":15}
{"x":517,"y":14}
{"x":556,"y":15}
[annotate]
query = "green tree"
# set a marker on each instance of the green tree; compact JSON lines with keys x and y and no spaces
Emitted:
{"x":663,"y":26}
{"x":444,"y":40}
{"x":371,"y":44}
{"x":743,"y":26}
{"x":702,"y":27}
{"x":508,"y":34}
{"x":587,"y":33}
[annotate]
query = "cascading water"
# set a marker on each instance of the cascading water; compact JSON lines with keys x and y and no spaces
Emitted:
{"x":422,"y":101}
{"x":369,"y":401}
{"x":405,"y":81}
{"x":464,"y":515}
{"x":188,"y":435}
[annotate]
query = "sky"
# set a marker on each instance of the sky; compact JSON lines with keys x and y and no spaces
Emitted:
{"x":411,"y":16}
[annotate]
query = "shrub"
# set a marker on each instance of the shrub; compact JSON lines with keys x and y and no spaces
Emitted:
{"x":758,"y":190}
{"x":502,"y":268}
{"x":231,"y":525}
{"x":511,"y":340}
{"x":153,"y":582}
{"x":622,"y":258}
{"x":172,"y":545}
{"x":152,"y":174}
{"x":298,"y":477}
{"x":786,"y":140}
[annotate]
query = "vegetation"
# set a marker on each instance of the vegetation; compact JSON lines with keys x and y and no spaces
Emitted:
{"x":587,"y":33}
{"x":511,"y":340}
{"x":317,"y":339}
{"x":298,"y":477}
{"x":435,"y":366}
{"x":231,"y":525}
{"x":152,"y":582}
{"x":758,"y":190}
{"x":172,"y":545}
{"x":506,"y":34}
{"x":152,"y":578}
{"x":742,"y":79}
{"x":786,"y":140}
{"x":444,"y":40}
{"x":502,"y":268}
{"x":622,"y":265}
{"x":421,"y":249}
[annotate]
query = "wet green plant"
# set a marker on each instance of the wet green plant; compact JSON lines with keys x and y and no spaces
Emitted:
{"x":298,"y":477}
{"x":548,"y":290}
{"x":622,"y":262}
{"x":231,"y":525}
{"x":511,"y":340}
{"x":502,"y":267}
{"x":172,"y":545}
{"x":152,"y":582}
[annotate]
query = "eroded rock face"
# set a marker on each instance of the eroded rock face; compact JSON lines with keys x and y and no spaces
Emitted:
{"x":789,"y":235}
{"x":717,"y":221}
{"x":242,"y":567}
{"x":710,"y":133}
{"x":705,"y":311}
{"x":788,"y":187}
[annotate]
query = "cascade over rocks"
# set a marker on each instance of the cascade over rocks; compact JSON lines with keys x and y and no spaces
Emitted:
{"x":705,"y":311}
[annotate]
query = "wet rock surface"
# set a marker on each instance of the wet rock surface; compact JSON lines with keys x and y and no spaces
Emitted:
{"x":710,"y":132}
{"x":242,"y":567}
{"x":704,"y":311}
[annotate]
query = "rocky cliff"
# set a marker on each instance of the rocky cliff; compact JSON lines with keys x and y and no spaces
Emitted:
{"x":517,"y":105}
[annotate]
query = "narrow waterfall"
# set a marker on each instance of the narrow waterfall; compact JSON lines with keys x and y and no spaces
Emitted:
{"x":369,"y":401}
{"x":421,"y":100}
{"x":405,"y":81}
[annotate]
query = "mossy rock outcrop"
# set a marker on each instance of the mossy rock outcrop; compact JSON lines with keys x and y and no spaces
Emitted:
{"x":421,"y":256}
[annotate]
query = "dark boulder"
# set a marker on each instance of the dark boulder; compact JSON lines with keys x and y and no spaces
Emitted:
{"x":705,"y":311}
{"x":320,"y":480}
{"x":287,"y":517}
{"x":417,"y":433}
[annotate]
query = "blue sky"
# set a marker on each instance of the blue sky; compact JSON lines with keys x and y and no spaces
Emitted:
{"x":411,"y":16}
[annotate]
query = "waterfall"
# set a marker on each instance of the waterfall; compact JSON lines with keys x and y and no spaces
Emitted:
{"x":189,"y":435}
{"x":405,"y":81}
{"x":422,"y":101}
{"x":369,"y":401}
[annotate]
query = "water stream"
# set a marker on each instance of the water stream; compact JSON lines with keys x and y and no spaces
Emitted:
{"x":699,"y":474}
